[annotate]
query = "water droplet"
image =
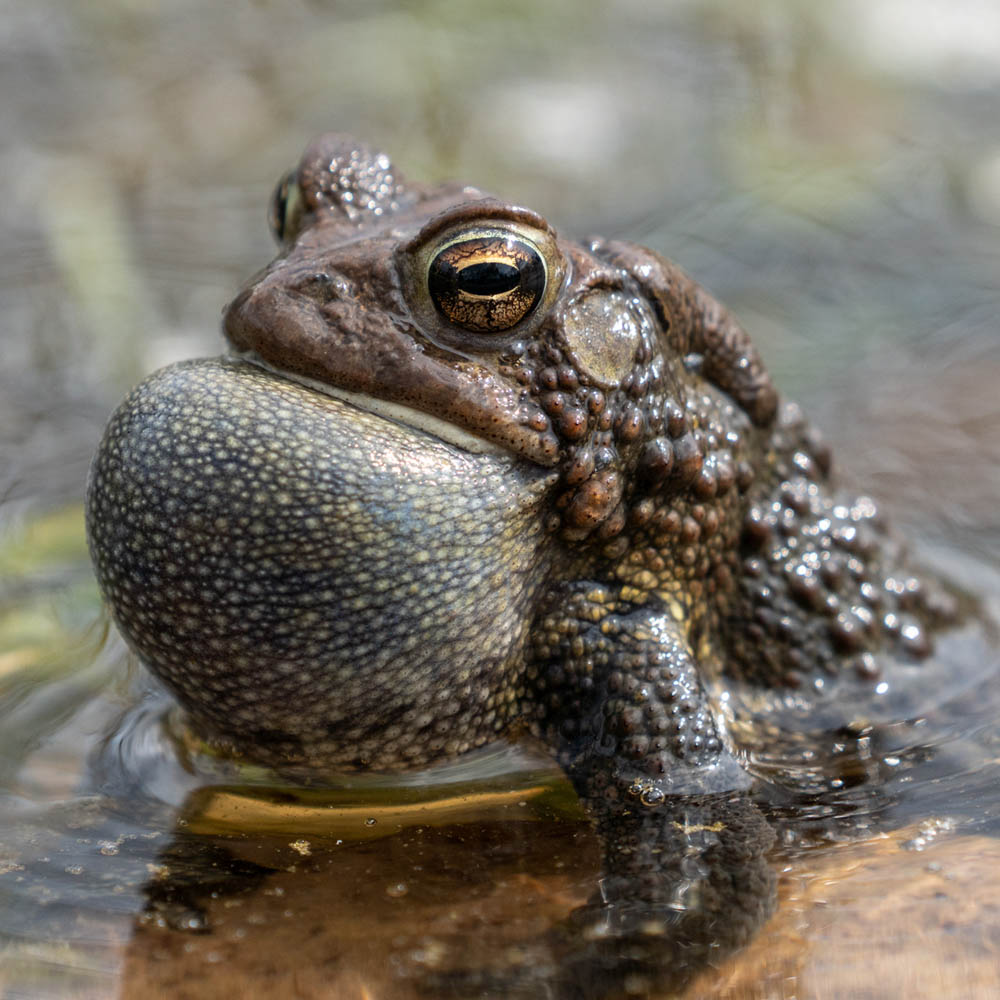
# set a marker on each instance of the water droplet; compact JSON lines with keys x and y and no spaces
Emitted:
{"x":651,"y":796}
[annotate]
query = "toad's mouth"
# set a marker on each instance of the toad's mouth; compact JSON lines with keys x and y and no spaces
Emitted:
{"x":371,"y":359}
{"x":398,"y":413}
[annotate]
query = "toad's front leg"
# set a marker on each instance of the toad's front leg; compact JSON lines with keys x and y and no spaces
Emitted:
{"x":615,"y":690}
{"x":619,"y":697}
{"x":685,"y":878}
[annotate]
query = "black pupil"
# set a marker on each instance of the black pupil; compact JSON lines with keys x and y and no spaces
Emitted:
{"x":491,"y":278}
{"x":486,"y":283}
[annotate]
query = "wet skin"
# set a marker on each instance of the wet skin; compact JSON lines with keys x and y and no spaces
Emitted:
{"x":460,"y":480}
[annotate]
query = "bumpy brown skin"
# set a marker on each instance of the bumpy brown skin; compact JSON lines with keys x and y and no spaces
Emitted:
{"x":643,"y":527}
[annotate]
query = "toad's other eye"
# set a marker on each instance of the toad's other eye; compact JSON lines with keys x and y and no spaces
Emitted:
{"x":486,"y":283}
{"x":284,"y":214}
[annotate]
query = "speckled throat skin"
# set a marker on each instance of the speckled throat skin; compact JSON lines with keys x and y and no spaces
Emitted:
{"x":354,"y":564}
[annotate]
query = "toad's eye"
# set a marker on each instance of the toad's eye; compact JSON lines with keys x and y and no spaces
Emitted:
{"x":486,"y":283}
{"x":285,"y":211}
{"x":481,"y":275}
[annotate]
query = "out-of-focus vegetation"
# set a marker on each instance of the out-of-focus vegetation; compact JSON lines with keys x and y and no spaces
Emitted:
{"x":832,"y":171}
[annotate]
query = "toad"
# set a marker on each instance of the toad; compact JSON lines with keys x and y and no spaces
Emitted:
{"x":460,"y":479}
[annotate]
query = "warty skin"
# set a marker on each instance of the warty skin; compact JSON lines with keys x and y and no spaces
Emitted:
{"x":461,"y":479}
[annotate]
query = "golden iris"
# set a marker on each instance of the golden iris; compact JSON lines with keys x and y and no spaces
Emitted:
{"x":486,"y":284}
{"x":284,"y":214}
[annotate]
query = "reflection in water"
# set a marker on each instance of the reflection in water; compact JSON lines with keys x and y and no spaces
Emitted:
{"x":485,"y":885}
{"x":489,"y":884}
{"x":167,"y":872}
{"x":494,"y":907}
{"x":682,"y":885}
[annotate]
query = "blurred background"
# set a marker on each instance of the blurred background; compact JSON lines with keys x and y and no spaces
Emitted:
{"x":831,"y":171}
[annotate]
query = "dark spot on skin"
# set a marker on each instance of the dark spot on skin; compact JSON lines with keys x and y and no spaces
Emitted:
{"x":594,"y":500}
{"x":676,"y":419}
{"x":806,"y":590}
{"x":572,"y":424}
{"x":688,"y":459}
{"x":548,"y":378}
{"x":744,"y":476}
{"x":580,"y":467}
{"x":706,"y":485}
{"x":554,"y":403}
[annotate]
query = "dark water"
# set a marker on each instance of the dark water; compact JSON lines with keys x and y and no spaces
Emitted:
{"x":832,"y":173}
